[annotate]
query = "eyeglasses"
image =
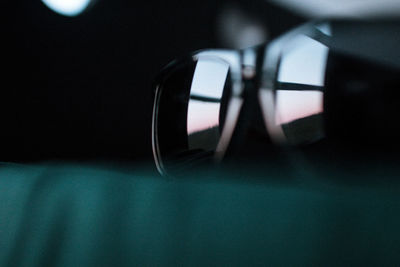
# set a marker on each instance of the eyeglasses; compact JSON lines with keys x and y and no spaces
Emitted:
{"x":326,"y":80}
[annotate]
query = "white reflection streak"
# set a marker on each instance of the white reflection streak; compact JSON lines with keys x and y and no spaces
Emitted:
{"x":344,"y":8}
{"x":208,"y":81}
{"x":266,"y":97}
{"x":235,"y":104}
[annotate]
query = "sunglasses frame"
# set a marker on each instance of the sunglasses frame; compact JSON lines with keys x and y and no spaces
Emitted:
{"x":234,"y":59}
{"x":262,"y":70}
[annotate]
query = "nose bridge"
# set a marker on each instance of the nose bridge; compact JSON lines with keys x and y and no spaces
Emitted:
{"x":252,"y":113}
{"x":256,"y":134}
{"x":251,"y":141}
{"x":250,"y":133}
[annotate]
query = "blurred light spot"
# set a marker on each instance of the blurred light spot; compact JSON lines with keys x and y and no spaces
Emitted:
{"x":325,"y":28}
{"x":237,"y":29}
{"x":67,"y":7}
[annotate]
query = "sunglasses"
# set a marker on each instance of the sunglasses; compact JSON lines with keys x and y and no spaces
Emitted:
{"x":332,"y":81}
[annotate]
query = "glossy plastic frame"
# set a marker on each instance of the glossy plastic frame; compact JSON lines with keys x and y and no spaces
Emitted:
{"x":234,"y":59}
{"x":269,"y":72}
{"x":344,"y":38}
{"x":243,"y":65}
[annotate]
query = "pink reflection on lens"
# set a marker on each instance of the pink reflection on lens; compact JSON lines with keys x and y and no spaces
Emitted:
{"x":202,"y":116}
{"x":208,"y":84}
{"x":293,"y":105}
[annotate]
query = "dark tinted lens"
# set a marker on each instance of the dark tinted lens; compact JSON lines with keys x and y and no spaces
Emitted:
{"x":189,"y":118}
{"x":336,"y":86}
{"x":299,"y":90}
{"x":294,"y":109}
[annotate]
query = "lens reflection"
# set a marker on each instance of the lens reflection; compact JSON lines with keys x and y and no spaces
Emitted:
{"x":191,"y":111}
{"x":293,"y":109}
{"x":303,"y":62}
{"x":300,"y":115}
{"x":205,"y":103}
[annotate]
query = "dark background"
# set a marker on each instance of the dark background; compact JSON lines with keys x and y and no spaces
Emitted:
{"x":80,"y":87}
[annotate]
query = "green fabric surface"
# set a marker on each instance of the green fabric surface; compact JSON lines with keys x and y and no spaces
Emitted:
{"x":55,"y":214}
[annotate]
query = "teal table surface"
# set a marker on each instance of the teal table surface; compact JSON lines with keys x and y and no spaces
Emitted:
{"x":64,"y":214}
